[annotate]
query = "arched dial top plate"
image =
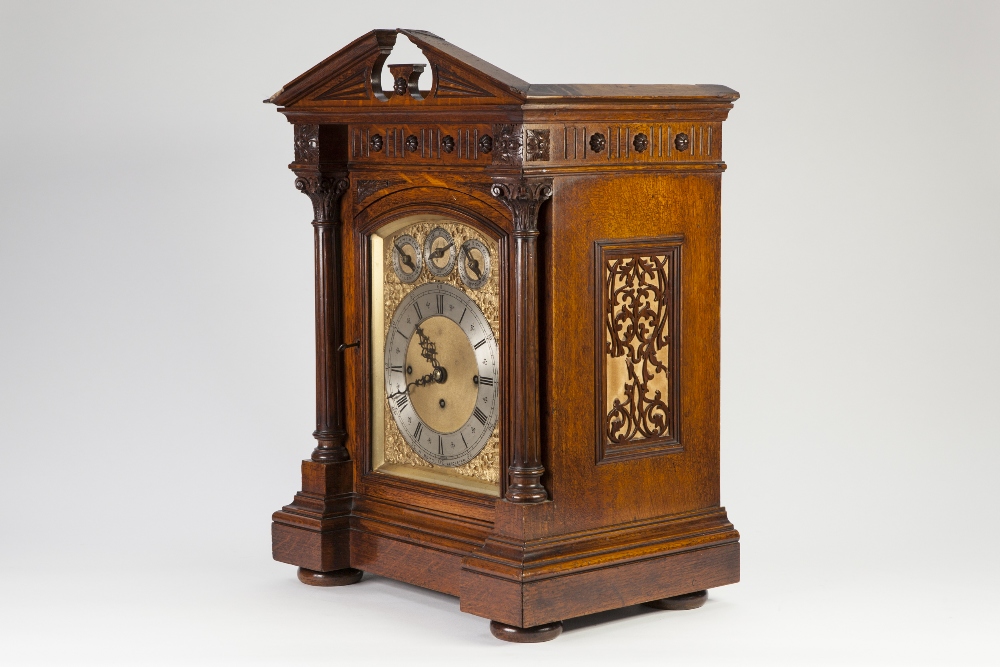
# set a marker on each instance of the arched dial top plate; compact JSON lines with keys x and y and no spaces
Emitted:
{"x":441,"y":374}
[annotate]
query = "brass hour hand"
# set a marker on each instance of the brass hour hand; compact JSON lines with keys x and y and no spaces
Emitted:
{"x":438,"y":253}
{"x":419,"y":382}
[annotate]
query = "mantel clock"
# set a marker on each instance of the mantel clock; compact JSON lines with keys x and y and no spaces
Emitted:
{"x":517,"y":337}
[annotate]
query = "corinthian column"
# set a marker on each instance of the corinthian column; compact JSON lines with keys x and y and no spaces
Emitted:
{"x":523,"y":197}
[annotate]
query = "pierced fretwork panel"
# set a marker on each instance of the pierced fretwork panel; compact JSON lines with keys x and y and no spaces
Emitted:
{"x":638,"y":326}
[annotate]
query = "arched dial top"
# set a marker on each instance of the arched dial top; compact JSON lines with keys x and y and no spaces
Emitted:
{"x":442,"y":374}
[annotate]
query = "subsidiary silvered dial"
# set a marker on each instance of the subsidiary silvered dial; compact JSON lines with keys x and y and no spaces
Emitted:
{"x":441,"y":374}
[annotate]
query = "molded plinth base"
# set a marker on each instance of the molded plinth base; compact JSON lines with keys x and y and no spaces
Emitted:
{"x":539,"y":633}
{"x":686,"y":601}
{"x":343,"y":577}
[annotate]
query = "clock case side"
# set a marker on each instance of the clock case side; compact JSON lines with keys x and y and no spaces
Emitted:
{"x":647,"y":524}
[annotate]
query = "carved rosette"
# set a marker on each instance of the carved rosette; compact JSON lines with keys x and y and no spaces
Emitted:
{"x":537,"y":145}
{"x":524,"y":197}
{"x":507,"y":144}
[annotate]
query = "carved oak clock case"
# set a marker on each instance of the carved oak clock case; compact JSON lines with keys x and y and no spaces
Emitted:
{"x":517,"y":337}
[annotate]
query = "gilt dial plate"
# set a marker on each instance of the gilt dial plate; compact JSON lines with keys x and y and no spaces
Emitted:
{"x":395,"y":447}
{"x":441,"y":371}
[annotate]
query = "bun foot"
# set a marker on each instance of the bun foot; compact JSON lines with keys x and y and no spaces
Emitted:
{"x":343,"y":577}
{"x":539,"y":633}
{"x":686,"y":601}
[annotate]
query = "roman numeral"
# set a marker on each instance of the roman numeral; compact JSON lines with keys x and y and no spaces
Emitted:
{"x":416,"y":307}
{"x":463,"y":315}
{"x":399,"y":369}
{"x":440,"y":304}
{"x":402,"y":401}
{"x":479,"y":344}
{"x":486,"y":381}
{"x":480,"y":415}
{"x":463,"y":440}
{"x":420,"y":428}
{"x":440,"y":446}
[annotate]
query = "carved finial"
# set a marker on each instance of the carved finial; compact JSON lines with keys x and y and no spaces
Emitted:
{"x":405,"y":80}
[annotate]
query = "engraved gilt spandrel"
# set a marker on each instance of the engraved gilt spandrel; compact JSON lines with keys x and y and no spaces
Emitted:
{"x":486,"y":466}
{"x":638,"y":319}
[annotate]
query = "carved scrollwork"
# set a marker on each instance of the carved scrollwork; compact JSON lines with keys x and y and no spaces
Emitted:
{"x":637,"y":338}
{"x":366,"y":188}
{"x":638,"y":294}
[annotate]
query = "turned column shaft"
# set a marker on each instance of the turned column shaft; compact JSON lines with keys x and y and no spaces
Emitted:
{"x":524,"y":197}
{"x":330,"y":433}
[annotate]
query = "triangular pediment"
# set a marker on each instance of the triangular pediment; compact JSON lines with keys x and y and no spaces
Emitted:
{"x":351,"y":77}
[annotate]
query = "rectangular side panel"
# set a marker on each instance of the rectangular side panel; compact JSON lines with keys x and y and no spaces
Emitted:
{"x":417,"y":565}
{"x":492,"y":598}
{"x":313,"y":550}
{"x":569,"y":596}
{"x":669,"y":471}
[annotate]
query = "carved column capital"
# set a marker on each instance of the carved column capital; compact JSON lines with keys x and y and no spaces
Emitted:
{"x":523,"y":197}
{"x":324,"y":190}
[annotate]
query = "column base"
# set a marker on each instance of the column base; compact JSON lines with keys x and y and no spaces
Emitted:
{"x":677,"y":602}
{"x":344,"y":577}
{"x":538,"y":633}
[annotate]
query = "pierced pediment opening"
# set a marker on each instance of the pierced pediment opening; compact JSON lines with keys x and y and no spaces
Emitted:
{"x":407,"y":72}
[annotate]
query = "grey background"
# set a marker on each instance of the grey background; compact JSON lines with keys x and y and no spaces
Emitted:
{"x":156,"y":341}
